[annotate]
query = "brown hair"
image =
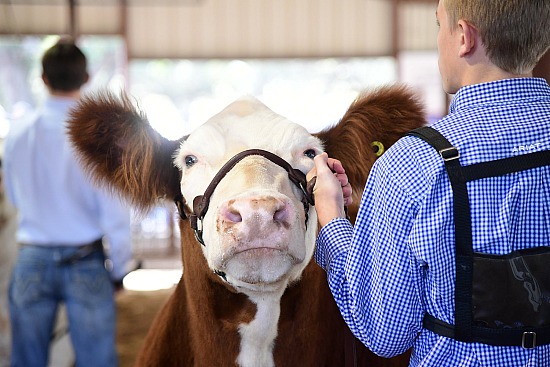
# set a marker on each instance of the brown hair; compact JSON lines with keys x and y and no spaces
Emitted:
{"x":515,"y":33}
{"x":64,"y":65}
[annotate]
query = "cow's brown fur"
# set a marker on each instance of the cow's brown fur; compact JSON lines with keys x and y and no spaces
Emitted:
{"x":382,"y":115}
{"x":121,"y":149}
{"x":204,"y":331}
{"x":198,"y":325}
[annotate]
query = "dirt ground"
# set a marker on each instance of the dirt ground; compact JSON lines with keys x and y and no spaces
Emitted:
{"x":135,"y":313}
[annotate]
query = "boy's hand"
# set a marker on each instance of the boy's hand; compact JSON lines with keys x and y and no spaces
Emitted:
{"x":332,"y":190}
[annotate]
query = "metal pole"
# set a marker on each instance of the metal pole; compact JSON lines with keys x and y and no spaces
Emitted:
{"x":73,"y":31}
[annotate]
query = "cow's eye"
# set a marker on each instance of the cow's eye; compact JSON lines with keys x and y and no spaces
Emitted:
{"x":190,"y":160}
{"x":310,"y":153}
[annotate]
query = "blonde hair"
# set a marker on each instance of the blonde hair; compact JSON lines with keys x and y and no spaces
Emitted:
{"x":515,"y":33}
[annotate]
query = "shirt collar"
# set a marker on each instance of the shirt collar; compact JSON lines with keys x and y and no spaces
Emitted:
{"x":499,"y":91}
{"x":59,"y":102}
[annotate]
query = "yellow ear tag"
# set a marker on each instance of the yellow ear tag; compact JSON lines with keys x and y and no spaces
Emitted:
{"x":378,"y":148}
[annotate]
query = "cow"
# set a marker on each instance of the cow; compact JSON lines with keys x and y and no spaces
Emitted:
{"x":250,"y":294}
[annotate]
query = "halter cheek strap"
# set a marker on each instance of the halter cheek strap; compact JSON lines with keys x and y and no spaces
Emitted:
{"x":201,"y":202}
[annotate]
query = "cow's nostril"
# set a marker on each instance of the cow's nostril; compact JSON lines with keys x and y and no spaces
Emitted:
{"x":233,"y":215}
{"x":280,"y":215}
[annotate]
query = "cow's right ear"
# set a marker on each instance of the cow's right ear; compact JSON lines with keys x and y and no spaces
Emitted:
{"x":119,"y":149}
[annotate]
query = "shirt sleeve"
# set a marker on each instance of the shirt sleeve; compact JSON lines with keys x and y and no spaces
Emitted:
{"x":371,"y":270}
{"x":6,"y":169}
{"x":115,"y":222}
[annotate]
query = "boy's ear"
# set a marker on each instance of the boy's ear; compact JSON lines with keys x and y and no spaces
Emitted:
{"x":45,"y":80}
{"x":469,"y":38}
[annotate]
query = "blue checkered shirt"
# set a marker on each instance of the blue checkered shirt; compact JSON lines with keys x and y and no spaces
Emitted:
{"x":397,"y":262}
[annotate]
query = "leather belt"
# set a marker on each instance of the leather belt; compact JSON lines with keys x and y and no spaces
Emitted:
{"x":82,"y":252}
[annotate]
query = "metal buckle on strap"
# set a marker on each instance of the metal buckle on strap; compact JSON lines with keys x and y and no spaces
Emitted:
{"x":529,"y":340}
{"x":448,"y":154}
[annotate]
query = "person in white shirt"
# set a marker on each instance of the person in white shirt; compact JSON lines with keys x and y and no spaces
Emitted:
{"x":63,"y":221}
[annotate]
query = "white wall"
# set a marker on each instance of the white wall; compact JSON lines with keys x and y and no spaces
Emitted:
{"x":237,"y":28}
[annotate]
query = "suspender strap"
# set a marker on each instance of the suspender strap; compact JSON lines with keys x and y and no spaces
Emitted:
{"x":501,"y":167}
{"x":464,"y":330}
{"x":463,"y":230}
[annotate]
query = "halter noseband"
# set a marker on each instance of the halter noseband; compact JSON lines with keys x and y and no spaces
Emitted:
{"x":201,"y":202}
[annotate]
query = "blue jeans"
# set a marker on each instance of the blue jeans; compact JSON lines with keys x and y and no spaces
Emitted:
{"x":38,"y":285}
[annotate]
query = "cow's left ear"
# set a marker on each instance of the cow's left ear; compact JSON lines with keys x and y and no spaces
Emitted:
{"x":120,"y":150}
{"x":373,"y":122}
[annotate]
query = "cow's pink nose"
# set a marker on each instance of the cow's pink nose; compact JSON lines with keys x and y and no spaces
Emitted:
{"x":260,"y":210}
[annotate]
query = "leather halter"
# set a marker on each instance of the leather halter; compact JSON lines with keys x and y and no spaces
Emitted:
{"x":201,"y":202}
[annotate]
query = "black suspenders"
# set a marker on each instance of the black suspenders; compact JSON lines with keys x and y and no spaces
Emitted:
{"x":465,"y":328}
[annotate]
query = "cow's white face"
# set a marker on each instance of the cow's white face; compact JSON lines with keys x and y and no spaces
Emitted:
{"x":255,"y":228}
